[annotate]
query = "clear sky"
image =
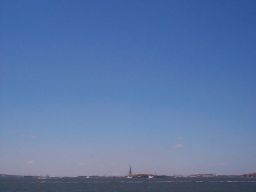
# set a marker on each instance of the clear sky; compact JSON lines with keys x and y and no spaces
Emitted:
{"x":89,"y":87}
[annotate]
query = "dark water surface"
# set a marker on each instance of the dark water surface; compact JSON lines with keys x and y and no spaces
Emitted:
{"x":128,"y":185}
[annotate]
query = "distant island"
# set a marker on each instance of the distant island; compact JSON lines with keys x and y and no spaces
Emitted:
{"x":132,"y":176}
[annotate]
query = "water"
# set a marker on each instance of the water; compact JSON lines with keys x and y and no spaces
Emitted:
{"x":128,"y":185}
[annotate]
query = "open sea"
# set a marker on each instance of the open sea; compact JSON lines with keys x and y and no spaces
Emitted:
{"x":235,"y":184}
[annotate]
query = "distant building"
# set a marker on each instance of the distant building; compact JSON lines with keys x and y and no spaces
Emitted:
{"x":250,"y":175}
{"x":130,"y":170}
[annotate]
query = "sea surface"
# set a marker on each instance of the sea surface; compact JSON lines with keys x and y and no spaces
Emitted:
{"x":128,"y":185}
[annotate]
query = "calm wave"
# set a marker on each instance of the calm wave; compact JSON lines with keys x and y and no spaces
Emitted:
{"x":128,"y":185}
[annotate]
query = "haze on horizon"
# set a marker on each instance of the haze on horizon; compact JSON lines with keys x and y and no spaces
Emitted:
{"x":89,"y":87}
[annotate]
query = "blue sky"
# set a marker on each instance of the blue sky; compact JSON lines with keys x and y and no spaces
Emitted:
{"x":89,"y":87}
